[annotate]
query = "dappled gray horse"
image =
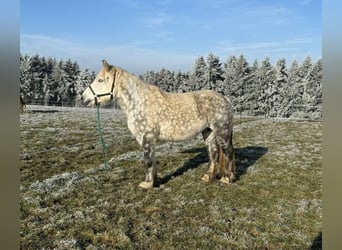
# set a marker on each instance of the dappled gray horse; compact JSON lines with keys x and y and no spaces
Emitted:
{"x":153,"y":115}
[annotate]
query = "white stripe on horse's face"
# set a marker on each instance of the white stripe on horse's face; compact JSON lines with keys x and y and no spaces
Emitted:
{"x":88,"y":98}
{"x":102,"y":84}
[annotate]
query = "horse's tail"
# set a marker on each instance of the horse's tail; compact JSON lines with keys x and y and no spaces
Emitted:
{"x":222,"y":162}
{"x":226,"y":156}
{"x":226,"y":159}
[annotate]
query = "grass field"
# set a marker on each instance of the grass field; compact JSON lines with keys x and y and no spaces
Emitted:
{"x":70,"y":200}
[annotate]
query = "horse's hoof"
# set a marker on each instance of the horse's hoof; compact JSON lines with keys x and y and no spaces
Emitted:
{"x":225,"y":180}
{"x":205,"y":178}
{"x":146,"y":185}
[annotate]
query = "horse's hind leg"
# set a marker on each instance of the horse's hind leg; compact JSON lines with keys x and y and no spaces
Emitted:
{"x":227,"y":160}
{"x":151,"y":171}
{"x":210,"y":140}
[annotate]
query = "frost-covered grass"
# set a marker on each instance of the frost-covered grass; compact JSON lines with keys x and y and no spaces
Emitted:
{"x":69,"y":200}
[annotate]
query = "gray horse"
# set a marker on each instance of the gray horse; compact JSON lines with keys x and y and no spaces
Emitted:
{"x":154,"y":115}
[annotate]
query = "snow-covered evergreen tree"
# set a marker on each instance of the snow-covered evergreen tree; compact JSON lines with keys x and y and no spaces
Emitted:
{"x":254,"y":90}
{"x":244,"y":85}
{"x":280,"y":99}
{"x":26,"y":86}
{"x":214,"y":72}
{"x":199,"y":76}
{"x":304,"y":70}
{"x":294,"y":78}
{"x":150,"y":77}
{"x":37,"y":68}
{"x":166,"y":80}
{"x":179,"y":80}
{"x":312,"y":95}
{"x":70,"y":70}
{"x":294,"y":92}
{"x":186,"y":85}
{"x":266,"y":81}
{"x":230,"y":77}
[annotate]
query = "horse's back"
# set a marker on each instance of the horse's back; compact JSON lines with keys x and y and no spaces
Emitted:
{"x":206,"y":104}
{"x":213,"y":103}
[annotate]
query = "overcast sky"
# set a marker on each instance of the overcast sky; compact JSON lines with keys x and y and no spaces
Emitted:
{"x":143,"y":35}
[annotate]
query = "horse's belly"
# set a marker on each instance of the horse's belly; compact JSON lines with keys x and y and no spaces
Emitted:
{"x":178,"y":131}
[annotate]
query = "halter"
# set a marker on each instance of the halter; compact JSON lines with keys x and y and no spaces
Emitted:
{"x":99,"y":95}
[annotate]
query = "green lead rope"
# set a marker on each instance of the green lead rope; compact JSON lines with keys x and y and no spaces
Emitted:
{"x":104,"y":147}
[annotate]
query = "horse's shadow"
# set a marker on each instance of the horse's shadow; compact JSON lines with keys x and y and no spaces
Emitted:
{"x":244,"y":158}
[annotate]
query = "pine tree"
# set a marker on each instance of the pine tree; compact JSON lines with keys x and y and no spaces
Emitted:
{"x":303,"y":71}
{"x":199,"y":76}
{"x":266,"y":79}
{"x":37,"y":69}
{"x":244,"y":85}
{"x":166,"y":80}
{"x":186,"y":85}
{"x":26,"y":86}
{"x":281,"y":101}
{"x":71,"y":71}
{"x":294,"y":93}
{"x":179,"y":80}
{"x":214,"y":72}
{"x":230,"y":77}
{"x":150,"y":77}
{"x":293,"y":75}
{"x":313,"y":90}
{"x":58,"y":77}
{"x":46,"y":90}
{"x":254,"y":89}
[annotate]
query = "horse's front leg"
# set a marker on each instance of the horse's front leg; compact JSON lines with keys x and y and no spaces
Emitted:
{"x":151,"y":170}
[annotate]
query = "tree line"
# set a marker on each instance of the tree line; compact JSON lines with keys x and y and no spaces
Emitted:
{"x":259,"y":89}
{"x":48,"y":81}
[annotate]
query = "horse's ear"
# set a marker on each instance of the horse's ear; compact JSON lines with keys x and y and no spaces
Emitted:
{"x":105,"y":64}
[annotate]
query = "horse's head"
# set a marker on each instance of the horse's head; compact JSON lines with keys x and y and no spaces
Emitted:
{"x":101,"y":90}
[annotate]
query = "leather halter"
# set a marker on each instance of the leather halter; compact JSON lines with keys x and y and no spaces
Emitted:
{"x":99,"y":95}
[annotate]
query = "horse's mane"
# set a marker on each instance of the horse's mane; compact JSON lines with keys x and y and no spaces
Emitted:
{"x":141,"y":82}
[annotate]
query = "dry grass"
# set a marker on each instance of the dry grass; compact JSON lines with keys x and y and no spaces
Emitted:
{"x":70,"y":201}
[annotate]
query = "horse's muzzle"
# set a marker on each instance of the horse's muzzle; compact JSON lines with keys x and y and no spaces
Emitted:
{"x":86,"y":102}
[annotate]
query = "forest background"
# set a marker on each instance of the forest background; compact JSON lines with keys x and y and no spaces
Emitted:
{"x":257,"y":89}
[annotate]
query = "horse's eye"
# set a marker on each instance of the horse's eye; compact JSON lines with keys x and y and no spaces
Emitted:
{"x":100,"y":80}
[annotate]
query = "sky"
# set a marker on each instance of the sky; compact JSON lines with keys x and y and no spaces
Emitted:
{"x":141,"y":35}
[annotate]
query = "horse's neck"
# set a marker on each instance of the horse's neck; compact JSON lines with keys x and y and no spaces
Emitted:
{"x":129,"y":91}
